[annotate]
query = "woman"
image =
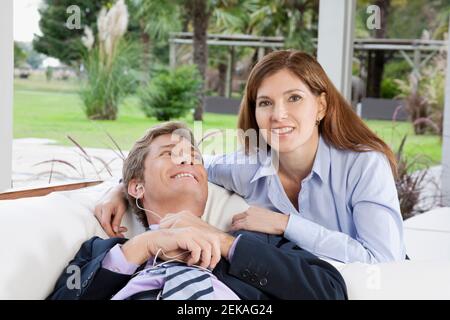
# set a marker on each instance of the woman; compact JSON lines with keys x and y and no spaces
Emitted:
{"x":332,"y":191}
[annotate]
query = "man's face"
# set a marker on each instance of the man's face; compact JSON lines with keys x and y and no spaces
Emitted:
{"x":174,"y":172}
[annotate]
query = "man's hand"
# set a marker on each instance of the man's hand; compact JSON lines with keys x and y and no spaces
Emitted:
{"x":110,"y":210}
{"x":185,"y":218}
{"x":200,"y":247}
{"x":260,"y":220}
{"x":182,"y":219}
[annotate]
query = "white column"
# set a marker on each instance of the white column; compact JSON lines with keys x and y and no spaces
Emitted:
{"x":6,"y":92}
{"x":445,"y":178}
{"x":335,"y":42}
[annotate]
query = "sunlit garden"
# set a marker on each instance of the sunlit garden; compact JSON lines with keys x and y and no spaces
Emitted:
{"x":125,"y":66}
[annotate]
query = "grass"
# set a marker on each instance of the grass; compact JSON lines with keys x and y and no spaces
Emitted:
{"x":53,"y":110}
{"x":426,"y":148}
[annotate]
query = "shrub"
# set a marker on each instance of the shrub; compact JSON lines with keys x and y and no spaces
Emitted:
{"x":171,"y":93}
{"x":389,"y":89}
{"x":107,"y":64}
{"x":412,"y":183}
{"x":424,"y":95}
{"x":105,"y":87}
{"x":397,"y":69}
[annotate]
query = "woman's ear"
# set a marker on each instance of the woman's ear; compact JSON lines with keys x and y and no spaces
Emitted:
{"x":322,"y":105}
{"x":135,"y":189}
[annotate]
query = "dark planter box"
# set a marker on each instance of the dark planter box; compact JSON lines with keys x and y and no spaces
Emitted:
{"x":383,"y":109}
{"x":222,"y":105}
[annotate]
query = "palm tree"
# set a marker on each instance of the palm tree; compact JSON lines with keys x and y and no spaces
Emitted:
{"x":155,"y":19}
{"x":200,"y":12}
{"x":293,"y":19}
{"x":228,"y":12}
{"x":296,"y":20}
{"x":229,"y":17}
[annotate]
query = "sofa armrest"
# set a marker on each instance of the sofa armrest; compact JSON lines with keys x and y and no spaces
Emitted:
{"x":407,"y":279}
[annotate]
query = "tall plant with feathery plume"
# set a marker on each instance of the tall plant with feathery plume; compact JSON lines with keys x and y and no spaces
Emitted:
{"x":107,"y":64}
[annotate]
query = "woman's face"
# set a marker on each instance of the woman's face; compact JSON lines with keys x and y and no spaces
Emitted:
{"x":286,"y":111}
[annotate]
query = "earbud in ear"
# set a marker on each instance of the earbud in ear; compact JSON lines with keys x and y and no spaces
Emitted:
{"x":140,"y":187}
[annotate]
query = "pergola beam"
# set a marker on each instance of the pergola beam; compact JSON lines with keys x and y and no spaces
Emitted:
{"x":246,"y":37}
{"x":232,"y":43}
{"x":6,"y":92}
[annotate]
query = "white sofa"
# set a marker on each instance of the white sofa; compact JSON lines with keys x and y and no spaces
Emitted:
{"x":41,"y":235}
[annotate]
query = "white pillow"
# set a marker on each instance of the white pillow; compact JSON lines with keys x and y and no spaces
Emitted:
{"x":41,"y":235}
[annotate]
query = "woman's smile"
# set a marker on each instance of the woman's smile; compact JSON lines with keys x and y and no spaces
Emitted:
{"x":282,"y":131}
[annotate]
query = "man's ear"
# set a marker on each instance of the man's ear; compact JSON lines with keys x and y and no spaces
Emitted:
{"x":322,"y":105}
{"x":134,"y":190}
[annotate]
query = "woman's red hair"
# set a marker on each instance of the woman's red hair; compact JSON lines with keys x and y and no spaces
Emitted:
{"x":341,"y":127}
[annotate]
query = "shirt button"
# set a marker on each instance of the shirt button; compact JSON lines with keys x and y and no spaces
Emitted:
{"x":263,"y":282}
{"x":90,"y":276}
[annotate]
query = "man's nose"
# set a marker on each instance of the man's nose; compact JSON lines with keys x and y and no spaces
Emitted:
{"x":186,"y":159}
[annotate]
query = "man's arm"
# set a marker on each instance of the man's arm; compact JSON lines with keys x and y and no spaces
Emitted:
{"x":95,"y":282}
{"x":84,"y":277}
{"x":285,"y":273}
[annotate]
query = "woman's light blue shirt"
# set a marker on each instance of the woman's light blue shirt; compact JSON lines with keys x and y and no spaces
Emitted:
{"x":348,"y":205}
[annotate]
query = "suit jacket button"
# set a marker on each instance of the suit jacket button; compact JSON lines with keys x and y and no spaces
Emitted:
{"x":90,"y":276}
{"x":263,"y":282}
{"x":85,"y":283}
{"x":245,"y":273}
{"x":253,"y":279}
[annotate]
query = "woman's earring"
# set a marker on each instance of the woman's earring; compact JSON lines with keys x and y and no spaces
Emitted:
{"x":317,"y":122}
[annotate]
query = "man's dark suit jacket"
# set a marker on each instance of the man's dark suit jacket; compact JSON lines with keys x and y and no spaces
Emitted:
{"x":262,"y":267}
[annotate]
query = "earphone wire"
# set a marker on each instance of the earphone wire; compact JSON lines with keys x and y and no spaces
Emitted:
{"x":174,"y":258}
{"x":146,"y":210}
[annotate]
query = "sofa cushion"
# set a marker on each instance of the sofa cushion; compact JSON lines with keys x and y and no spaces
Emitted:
{"x":41,"y":235}
{"x":427,"y":235}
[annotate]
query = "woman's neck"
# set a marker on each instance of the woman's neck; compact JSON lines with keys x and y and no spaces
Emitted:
{"x":298,"y":163}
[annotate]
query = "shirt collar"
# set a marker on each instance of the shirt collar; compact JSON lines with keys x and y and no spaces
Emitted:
{"x":152,"y":227}
{"x":266,"y":166}
{"x":321,"y":165}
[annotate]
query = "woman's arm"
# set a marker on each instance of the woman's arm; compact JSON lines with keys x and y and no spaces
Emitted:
{"x":110,"y":210}
{"x":375,"y":213}
{"x":232,"y":171}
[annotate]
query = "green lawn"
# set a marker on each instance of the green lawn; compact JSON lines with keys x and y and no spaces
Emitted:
{"x":53,"y":110}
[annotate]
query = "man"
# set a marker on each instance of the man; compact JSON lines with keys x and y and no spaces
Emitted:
{"x":166,"y":185}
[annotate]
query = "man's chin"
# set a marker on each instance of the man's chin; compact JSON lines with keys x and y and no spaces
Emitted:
{"x":185,"y":187}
